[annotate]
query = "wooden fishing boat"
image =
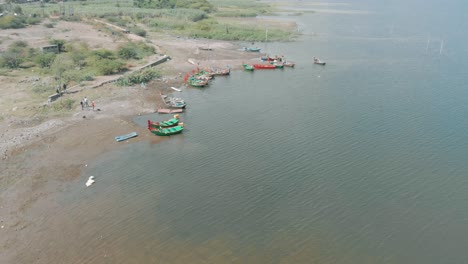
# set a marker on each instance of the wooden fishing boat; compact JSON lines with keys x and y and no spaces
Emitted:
{"x":251,"y":49}
{"x":318,"y":61}
{"x":163,"y":124}
{"x":169,"y":111}
{"x":264,"y":66}
{"x":278,"y":65}
{"x":268,"y":58}
{"x":174,"y":102}
{"x":196,"y":83}
{"x":167,"y":131}
{"x":217,"y":72}
{"x":248,"y":67}
{"x":203,"y":77}
{"x":125,"y":137}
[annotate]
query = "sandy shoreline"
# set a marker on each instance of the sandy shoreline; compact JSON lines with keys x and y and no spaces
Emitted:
{"x":38,"y":156}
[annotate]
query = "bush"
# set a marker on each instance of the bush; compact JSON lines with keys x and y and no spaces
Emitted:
{"x":133,"y":50}
{"x":60,"y":44}
{"x":44,"y":60}
{"x":127,"y":53}
{"x":11,"y":59}
{"x":66,"y":104}
{"x":145,"y":76}
{"x":10,"y":21}
{"x":103,"y":54}
{"x":139,"y":31}
{"x":108,"y":67}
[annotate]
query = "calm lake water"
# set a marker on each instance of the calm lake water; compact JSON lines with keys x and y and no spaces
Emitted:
{"x":361,"y":161}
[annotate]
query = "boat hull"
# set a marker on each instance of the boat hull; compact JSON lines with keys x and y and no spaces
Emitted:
{"x":166,"y":131}
{"x":125,"y":137}
{"x":264,"y":66}
{"x":164,"y":124}
{"x":248,"y":67}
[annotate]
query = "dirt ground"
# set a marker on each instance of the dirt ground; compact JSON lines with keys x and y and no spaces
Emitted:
{"x":39,"y":153}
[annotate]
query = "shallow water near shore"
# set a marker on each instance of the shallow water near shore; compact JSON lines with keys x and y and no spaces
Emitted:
{"x":360,"y":161}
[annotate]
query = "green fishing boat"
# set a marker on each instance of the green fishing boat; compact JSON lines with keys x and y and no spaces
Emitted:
{"x":196,"y":83}
{"x":169,"y":131}
{"x":248,"y":67}
{"x":168,"y":123}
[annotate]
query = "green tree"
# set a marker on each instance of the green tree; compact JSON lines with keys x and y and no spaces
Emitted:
{"x":18,"y":10}
{"x":11,"y":59}
{"x":62,"y":63}
{"x":127,"y":53}
{"x":45,"y":60}
{"x":60,"y":44}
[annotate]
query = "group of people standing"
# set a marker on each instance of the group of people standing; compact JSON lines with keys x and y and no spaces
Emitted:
{"x":85,"y":104}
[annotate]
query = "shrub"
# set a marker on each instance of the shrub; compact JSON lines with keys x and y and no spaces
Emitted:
{"x":66,"y":104}
{"x":60,"y":44}
{"x":103,"y":54}
{"x":10,"y":21}
{"x":44,"y":60}
{"x":11,"y":59}
{"x":145,"y":76}
{"x":108,"y":67}
{"x":127,"y":53}
{"x":139,"y":31}
{"x":133,"y":50}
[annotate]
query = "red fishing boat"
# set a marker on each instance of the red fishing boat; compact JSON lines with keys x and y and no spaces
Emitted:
{"x":264,"y":66}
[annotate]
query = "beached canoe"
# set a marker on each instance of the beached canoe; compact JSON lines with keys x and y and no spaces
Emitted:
{"x":125,"y":137}
{"x":264,"y":66}
{"x":248,"y":67}
{"x":168,"y":123}
{"x":219,"y":72}
{"x":167,"y":131}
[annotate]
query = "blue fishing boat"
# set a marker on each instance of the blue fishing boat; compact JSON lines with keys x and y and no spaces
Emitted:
{"x":125,"y":137}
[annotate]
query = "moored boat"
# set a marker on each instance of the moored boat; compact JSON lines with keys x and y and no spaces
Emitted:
{"x":251,"y":49}
{"x":278,"y":65}
{"x":174,"y":102}
{"x":196,"y":83}
{"x":248,"y":67}
{"x":163,"y":124}
{"x":169,"y":131}
{"x":217,"y":72}
{"x":288,"y":64}
{"x":318,"y":61}
{"x":264,"y":66}
{"x":125,"y":137}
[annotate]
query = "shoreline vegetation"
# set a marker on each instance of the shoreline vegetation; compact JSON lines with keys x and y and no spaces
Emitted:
{"x":44,"y":145}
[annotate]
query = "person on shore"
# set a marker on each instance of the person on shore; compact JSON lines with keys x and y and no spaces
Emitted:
{"x":92,"y":105}
{"x":81,"y":103}
{"x":85,"y":101}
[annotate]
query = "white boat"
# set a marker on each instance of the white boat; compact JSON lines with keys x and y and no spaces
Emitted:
{"x":175,"y":89}
{"x":318,"y":61}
